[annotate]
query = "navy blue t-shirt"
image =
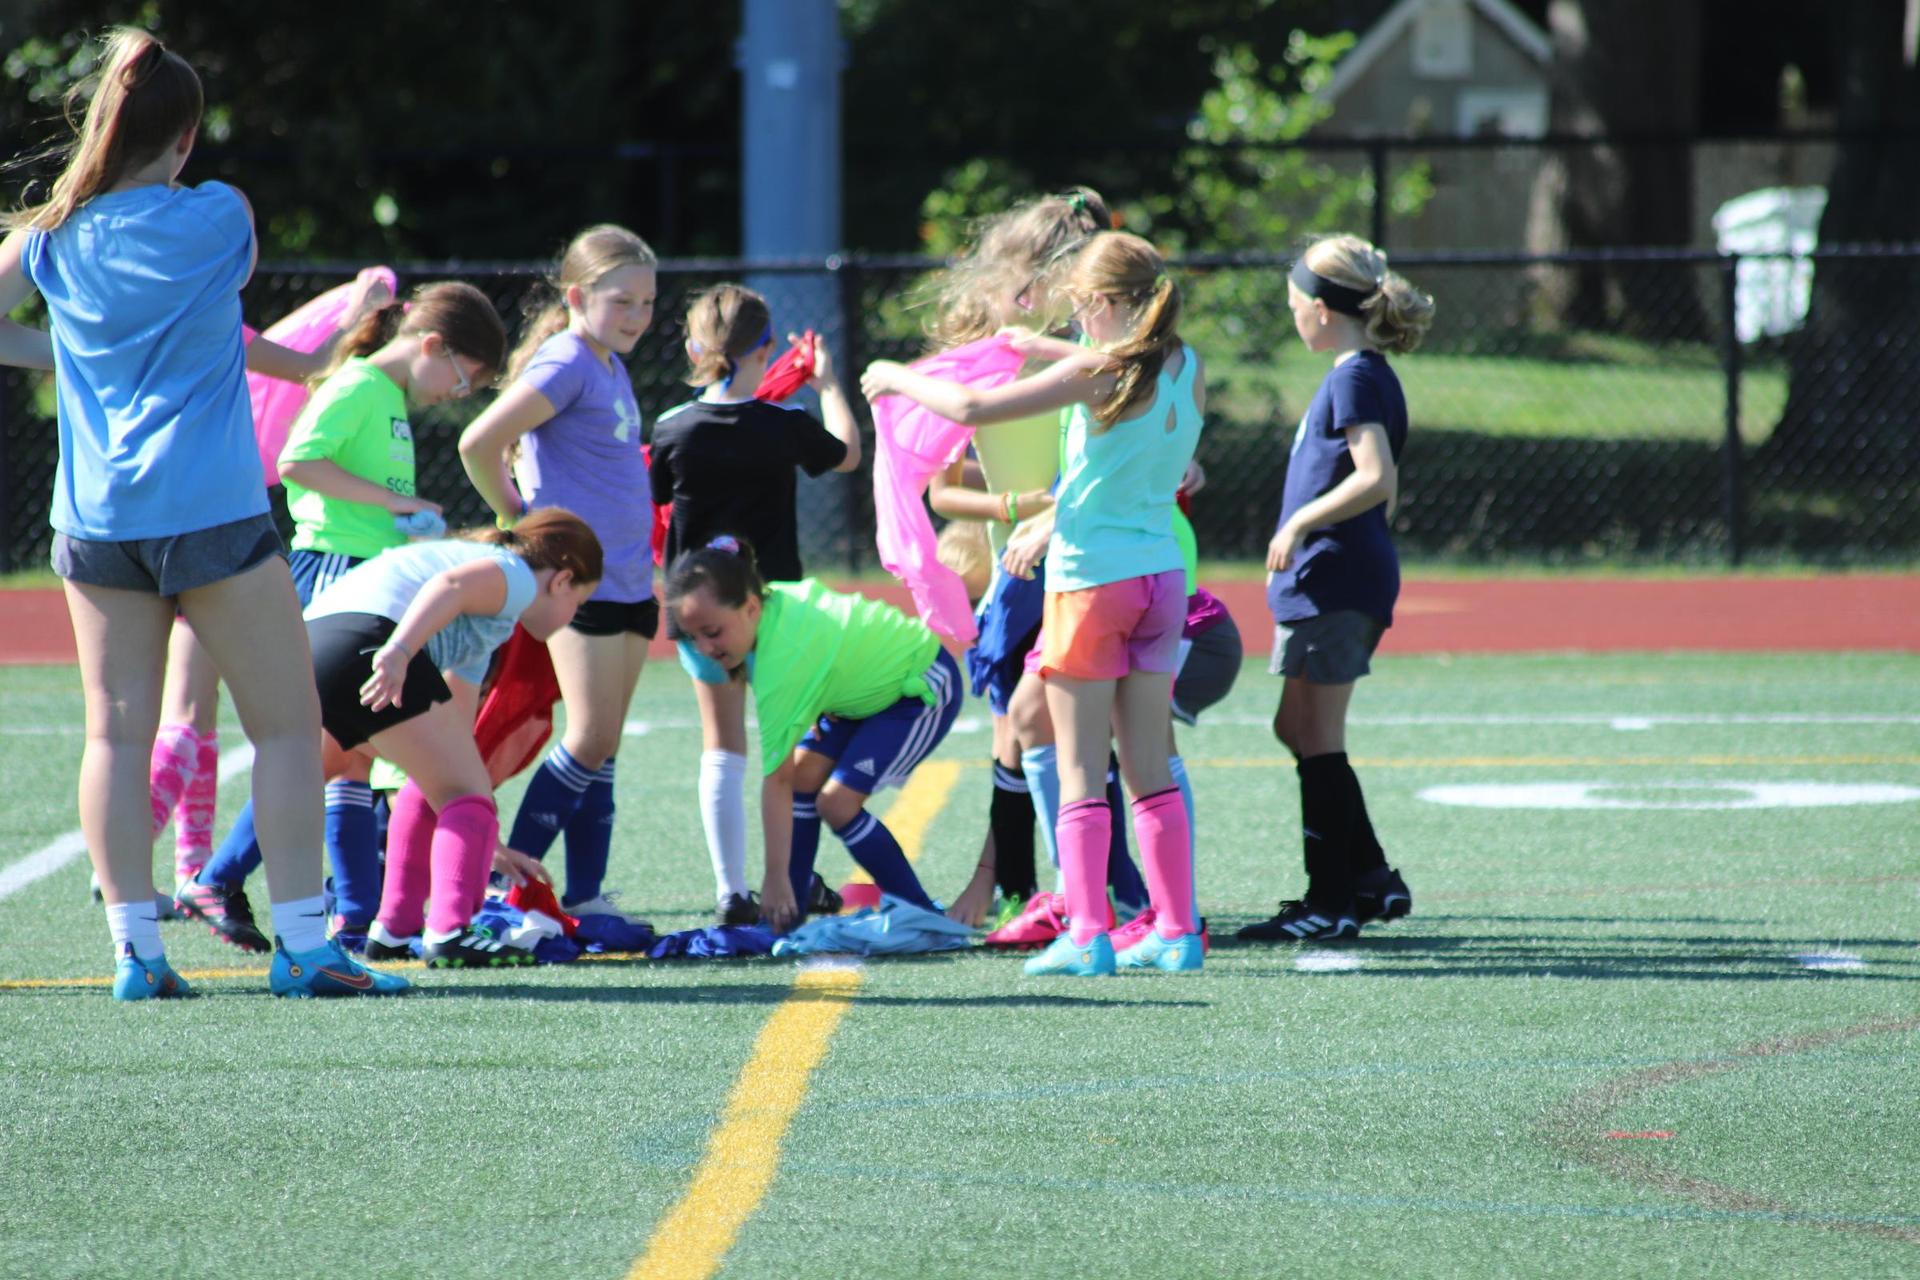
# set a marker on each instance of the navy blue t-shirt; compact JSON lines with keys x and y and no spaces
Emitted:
{"x":1352,"y":564}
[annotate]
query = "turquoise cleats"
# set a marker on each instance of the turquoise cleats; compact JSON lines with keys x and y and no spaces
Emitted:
{"x":328,"y":971}
{"x":1094,"y":960}
{"x":1178,"y":955}
{"x":137,"y":979}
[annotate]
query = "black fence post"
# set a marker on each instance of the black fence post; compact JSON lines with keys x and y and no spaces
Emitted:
{"x":1733,"y":498}
{"x":1377,"y":160}
{"x":846,"y":271}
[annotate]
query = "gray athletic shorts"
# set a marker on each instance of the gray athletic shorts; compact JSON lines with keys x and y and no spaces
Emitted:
{"x":1330,"y":649}
{"x":168,"y":566}
{"x":1209,"y":664}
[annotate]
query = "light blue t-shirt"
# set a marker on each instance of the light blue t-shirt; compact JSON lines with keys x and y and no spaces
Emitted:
{"x":386,"y":585}
{"x":587,"y":459}
{"x":1116,"y":498}
{"x":143,"y":296}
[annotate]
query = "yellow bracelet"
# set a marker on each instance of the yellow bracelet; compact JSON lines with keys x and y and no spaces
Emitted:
{"x":1013,"y":507}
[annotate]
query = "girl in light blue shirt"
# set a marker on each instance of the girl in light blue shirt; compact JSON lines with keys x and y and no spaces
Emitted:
{"x":158,"y":499}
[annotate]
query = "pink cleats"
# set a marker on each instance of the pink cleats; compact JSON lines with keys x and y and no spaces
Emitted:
{"x":1044,"y":920}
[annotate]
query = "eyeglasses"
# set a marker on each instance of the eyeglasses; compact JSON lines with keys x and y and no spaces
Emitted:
{"x":463,"y":385}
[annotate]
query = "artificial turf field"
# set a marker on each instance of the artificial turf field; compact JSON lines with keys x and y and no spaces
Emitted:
{"x":1649,"y":1038}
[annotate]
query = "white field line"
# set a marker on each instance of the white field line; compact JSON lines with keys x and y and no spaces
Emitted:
{"x":43,"y":862}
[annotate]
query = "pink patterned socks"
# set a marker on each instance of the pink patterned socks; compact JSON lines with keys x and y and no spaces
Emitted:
{"x":176,"y":756}
{"x":193,"y":815}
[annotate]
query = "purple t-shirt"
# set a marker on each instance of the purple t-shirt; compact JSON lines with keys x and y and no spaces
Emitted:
{"x":586,"y":458}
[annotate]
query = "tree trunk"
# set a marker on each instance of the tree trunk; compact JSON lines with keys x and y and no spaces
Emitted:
{"x":1623,"y":69}
{"x":1855,"y":367}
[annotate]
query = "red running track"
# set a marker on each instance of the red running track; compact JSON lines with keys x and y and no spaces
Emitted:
{"x":1853,"y":612}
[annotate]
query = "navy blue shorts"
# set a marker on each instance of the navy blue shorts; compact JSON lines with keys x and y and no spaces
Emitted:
{"x":315,"y":571}
{"x":881,"y":750}
{"x":1009,"y":619}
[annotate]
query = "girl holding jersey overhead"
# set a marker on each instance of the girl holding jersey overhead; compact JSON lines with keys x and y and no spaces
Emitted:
{"x":1116,"y":598}
{"x":570,"y":410}
{"x":851,"y":693}
{"x":726,"y":463}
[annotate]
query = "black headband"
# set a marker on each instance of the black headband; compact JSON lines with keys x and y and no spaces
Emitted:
{"x":1338,"y":297}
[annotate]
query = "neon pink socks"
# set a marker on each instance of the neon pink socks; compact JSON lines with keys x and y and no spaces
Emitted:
{"x":403,"y":893}
{"x":1166,"y":855}
{"x":437,"y":864}
{"x":1085,"y":830}
{"x":462,"y":856}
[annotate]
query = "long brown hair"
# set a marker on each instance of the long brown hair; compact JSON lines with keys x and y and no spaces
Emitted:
{"x":1024,"y":248}
{"x":550,"y":538}
{"x":1130,"y":274}
{"x":595,"y":252}
{"x":725,"y":323}
{"x":139,"y":102}
{"x":461,"y":314}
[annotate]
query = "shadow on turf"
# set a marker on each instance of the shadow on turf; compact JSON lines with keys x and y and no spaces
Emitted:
{"x":773,"y":993}
{"x":1633,"y":957}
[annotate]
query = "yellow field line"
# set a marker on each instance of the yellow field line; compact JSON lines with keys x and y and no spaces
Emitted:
{"x":743,"y":1154}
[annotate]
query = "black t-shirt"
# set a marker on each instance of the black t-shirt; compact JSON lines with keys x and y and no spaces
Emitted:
{"x":728,"y":468}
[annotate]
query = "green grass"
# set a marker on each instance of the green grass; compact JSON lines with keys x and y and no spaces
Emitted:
{"x":1438,"y":1111}
{"x":1613,"y":391}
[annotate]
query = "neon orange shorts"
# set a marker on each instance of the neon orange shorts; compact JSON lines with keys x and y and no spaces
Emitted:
{"x":1115,"y":629}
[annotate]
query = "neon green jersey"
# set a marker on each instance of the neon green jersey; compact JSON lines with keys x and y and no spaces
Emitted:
{"x":357,"y":420}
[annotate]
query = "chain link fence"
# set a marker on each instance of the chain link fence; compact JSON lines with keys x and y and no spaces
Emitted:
{"x":1704,"y":409}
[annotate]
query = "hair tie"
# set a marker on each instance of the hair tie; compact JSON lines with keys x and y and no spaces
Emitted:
{"x":1077,"y":202}
{"x":725,"y":542}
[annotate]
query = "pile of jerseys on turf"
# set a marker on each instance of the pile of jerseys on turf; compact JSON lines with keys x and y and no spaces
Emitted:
{"x":529,"y":916}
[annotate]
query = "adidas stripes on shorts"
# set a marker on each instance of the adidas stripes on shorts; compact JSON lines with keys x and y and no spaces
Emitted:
{"x":881,"y":750}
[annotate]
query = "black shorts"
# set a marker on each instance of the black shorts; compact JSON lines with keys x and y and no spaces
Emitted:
{"x":343,"y":645}
{"x":617,"y":618}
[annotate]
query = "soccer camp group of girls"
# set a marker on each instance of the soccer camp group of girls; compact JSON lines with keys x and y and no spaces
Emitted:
{"x":371,"y":639}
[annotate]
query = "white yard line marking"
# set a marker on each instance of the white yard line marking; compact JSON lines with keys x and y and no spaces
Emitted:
{"x":1318,"y":961}
{"x":43,"y":862}
{"x":1830,"y":961}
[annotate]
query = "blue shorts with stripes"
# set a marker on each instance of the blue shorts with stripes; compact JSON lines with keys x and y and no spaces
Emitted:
{"x":314,"y":571}
{"x":881,"y":750}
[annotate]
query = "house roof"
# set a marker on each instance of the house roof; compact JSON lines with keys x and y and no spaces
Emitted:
{"x":1516,"y":25}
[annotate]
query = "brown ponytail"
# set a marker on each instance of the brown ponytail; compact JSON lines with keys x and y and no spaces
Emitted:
{"x":139,"y":102}
{"x":1130,"y":274}
{"x":463,"y":316}
{"x":550,"y":538}
{"x":723,"y":324}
